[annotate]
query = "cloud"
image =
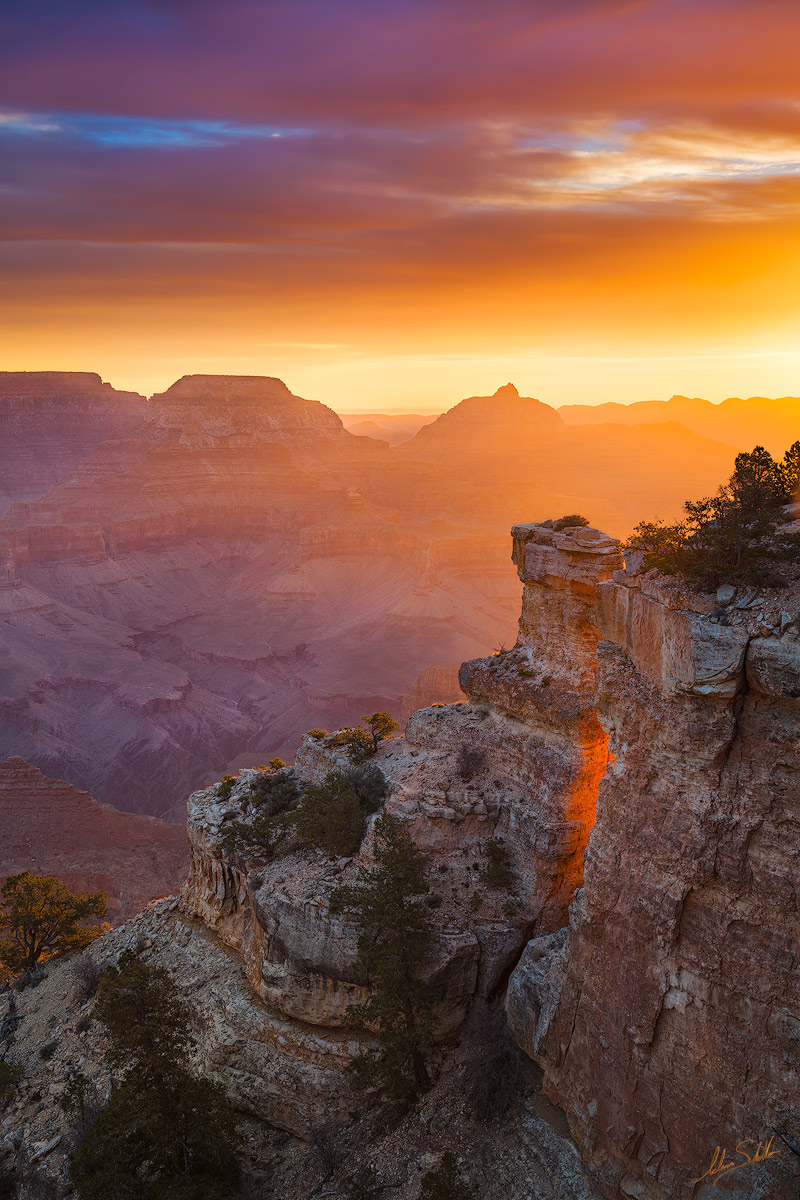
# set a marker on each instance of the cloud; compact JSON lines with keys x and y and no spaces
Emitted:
{"x":399,"y":169}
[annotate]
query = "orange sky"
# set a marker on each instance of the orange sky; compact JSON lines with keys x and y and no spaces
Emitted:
{"x":392,"y":205}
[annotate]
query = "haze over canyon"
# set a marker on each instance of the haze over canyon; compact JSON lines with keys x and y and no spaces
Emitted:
{"x":191,"y":581}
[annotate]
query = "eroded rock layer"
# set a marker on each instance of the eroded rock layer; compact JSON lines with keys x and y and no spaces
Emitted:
{"x":50,"y":828}
{"x":667,"y":1015}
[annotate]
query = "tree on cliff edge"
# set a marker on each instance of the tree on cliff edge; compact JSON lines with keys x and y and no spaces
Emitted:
{"x":41,"y":918}
{"x":734,"y":536}
{"x":395,"y":942}
{"x":165,"y":1134}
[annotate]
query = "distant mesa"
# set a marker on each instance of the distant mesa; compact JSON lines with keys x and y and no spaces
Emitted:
{"x":495,"y":414}
{"x":228,"y":404}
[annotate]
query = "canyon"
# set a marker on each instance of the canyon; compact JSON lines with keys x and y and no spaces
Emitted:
{"x":189,"y":582}
{"x":635,"y":752}
{"x":51,"y":828}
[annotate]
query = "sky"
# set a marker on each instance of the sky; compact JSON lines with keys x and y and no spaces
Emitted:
{"x":392,"y":204}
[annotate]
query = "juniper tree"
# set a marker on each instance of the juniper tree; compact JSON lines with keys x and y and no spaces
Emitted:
{"x":734,"y":535}
{"x":41,"y":918}
{"x":395,"y":942}
{"x":164,"y":1134}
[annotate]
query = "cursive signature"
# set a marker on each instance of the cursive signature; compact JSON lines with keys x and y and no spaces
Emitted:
{"x":721,"y":1166}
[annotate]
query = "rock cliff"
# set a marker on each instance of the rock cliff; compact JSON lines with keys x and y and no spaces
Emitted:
{"x":666,"y":1014}
{"x":635,"y":753}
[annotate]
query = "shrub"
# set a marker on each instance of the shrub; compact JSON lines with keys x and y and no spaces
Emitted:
{"x":84,"y":1024}
{"x":260,"y":837}
{"x":317,"y":734}
{"x":11,"y":1075}
{"x":276,"y":764}
{"x":445,"y":1182}
{"x":362,"y":741}
{"x":733,"y":536}
{"x":493,"y":1066}
{"x":357,"y":743}
{"x":329,"y":816}
{"x":498,"y":871}
{"x":369,"y":784}
{"x":476,"y":900}
{"x":569,"y":522}
{"x":87,"y":973}
{"x":47,"y":1050}
{"x":275,"y":793}
{"x":80,"y":1100}
{"x":395,"y":941}
{"x":469,"y":761}
{"x":510,"y":909}
{"x":226,"y":786}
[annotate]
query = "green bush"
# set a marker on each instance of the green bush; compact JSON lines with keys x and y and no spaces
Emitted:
{"x":498,"y":871}
{"x":164,"y":1132}
{"x":226,"y":786}
{"x":733,"y":536}
{"x":329,"y":816}
{"x":369,"y":784}
{"x":362,"y":741}
{"x":47,"y":1050}
{"x":275,"y":792}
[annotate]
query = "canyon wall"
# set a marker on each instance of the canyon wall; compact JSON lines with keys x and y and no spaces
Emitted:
{"x":51,"y":828}
{"x":667,"y":1015}
{"x":215,"y":577}
{"x":636,"y":754}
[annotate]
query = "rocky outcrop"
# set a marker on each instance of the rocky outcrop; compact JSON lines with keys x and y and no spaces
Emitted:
{"x":520,"y":761}
{"x":50,"y":828}
{"x":666,"y":1015}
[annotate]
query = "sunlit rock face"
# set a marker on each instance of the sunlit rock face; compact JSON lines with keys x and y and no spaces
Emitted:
{"x":520,"y":761}
{"x":666,"y":1016}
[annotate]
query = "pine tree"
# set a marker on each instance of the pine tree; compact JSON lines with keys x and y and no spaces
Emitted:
{"x":394,"y":944}
{"x":164,"y":1134}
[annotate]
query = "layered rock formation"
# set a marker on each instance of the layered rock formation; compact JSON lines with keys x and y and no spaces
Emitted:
{"x":51,"y":420}
{"x":50,"y":828}
{"x":666,"y":1017}
{"x":517,"y":456}
{"x":242,"y":569}
{"x":635,"y":752}
{"x":519,"y":761}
